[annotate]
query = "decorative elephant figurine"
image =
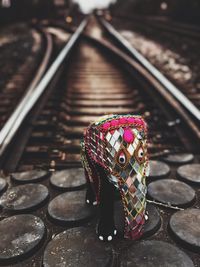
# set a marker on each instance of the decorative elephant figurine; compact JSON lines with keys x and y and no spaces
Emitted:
{"x":114,"y":154}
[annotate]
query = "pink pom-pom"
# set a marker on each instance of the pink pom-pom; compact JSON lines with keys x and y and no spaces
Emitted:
{"x":106,"y":125}
{"x":139,"y":121}
{"x":114,"y":123}
{"x":123,"y":120}
{"x":131,"y":120}
{"x":128,"y":136}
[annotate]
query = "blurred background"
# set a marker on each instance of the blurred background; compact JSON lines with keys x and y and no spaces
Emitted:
{"x":180,"y":10}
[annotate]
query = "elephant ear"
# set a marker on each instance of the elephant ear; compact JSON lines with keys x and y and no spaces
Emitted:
{"x":95,"y":145}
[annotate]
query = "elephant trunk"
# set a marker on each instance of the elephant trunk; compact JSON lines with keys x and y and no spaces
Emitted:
{"x":133,"y":195}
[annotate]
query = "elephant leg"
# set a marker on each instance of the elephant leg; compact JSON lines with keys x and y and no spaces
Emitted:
{"x":106,"y":228}
{"x":90,"y":195}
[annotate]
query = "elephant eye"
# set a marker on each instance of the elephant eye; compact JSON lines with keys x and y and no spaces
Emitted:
{"x":140,"y":155}
{"x":122,"y":159}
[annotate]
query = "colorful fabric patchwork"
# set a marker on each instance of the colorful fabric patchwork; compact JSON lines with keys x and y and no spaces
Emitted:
{"x":118,"y":143}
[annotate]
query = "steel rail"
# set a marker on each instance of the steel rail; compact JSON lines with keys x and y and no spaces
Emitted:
{"x":40,"y":72}
{"x":27,"y":103}
{"x":188,"y":105}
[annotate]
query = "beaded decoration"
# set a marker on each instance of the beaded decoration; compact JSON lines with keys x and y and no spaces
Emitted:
{"x":118,"y":143}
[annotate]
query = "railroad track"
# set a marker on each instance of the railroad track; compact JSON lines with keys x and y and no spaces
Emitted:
{"x":22,"y":69}
{"x":173,"y":54}
{"x":89,"y":78}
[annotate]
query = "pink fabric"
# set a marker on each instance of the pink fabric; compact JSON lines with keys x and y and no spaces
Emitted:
{"x":122,"y":121}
